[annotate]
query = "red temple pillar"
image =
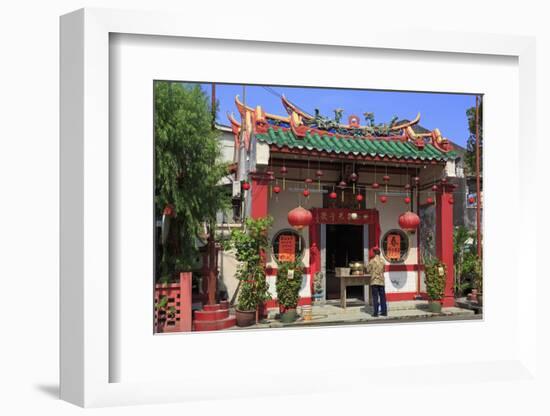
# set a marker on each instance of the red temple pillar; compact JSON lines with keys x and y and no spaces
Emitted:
{"x":259,"y":208}
{"x":314,"y":253}
{"x":259,"y":195}
{"x":445,"y":241}
{"x":186,"y":314}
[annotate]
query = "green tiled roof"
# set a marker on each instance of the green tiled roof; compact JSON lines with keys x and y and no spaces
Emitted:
{"x":357,"y":146}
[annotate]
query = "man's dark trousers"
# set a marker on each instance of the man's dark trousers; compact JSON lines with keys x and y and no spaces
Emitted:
{"x":379,"y":298}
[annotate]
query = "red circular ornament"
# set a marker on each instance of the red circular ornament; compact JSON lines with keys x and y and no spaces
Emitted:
{"x":353,"y":177}
{"x":284,"y":170}
{"x":434,"y":188}
{"x":416,"y":179}
{"x":306,"y":192}
{"x":443,"y":180}
{"x":300,"y":218}
{"x":319,"y":173}
{"x":246,"y":186}
{"x":359,"y":197}
{"x":333,"y":195}
{"x":429,"y":200}
{"x":409,"y":221}
{"x":383,"y":199}
{"x":276,"y":189}
{"x":407,"y":186}
{"x":342,"y":185}
{"x":168,"y":210}
{"x":375,"y":185}
{"x":386,"y":178}
{"x":407,"y":200}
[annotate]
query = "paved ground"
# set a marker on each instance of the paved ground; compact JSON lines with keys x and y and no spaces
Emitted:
{"x":404,"y":311}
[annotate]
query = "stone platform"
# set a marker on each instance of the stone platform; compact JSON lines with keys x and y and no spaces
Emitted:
{"x":402,"y":311}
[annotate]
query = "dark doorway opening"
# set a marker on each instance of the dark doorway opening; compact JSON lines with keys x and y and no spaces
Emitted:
{"x":344,"y":244}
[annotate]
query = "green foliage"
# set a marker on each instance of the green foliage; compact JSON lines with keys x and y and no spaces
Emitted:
{"x":472,"y":268}
{"x":470,"y":156}
{"x":435,"y":281}
{"x":187,"y":170}
{"x":250,"y":244}
{"x":288,"y":289}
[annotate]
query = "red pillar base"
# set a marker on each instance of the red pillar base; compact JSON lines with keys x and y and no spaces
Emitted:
{"x":448,"y":301}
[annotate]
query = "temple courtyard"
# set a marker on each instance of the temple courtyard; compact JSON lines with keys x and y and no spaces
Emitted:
{"x":356,"y":312}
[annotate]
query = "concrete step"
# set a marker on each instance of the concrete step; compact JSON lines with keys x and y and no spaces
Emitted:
{"x":211,"y":315}
{"x":214,"y":325}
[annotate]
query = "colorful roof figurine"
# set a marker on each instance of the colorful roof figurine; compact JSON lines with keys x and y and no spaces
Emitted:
{"x":303,"y":133}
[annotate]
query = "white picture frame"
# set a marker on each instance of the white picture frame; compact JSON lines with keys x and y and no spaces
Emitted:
{"x":85,"y":266}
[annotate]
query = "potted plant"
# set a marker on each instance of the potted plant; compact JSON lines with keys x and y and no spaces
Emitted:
{"x":436,"y":275}
{"x":250,"y":244}
{"x":289,"y":282}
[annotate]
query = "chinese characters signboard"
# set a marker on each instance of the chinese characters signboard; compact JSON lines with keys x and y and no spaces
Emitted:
{"x":287,"y":247}
{"x":343,"y":216}
{"x":394,"y":247}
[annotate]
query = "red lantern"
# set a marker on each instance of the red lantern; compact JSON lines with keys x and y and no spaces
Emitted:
{"x":386,"y":178}
{"x":409,"y":221}
{"x":342,"y":185}
{"x":383,"y":199}
{"x":434,"y":188}
{"x":271,"y":178}
{"x":353,"y":177}
{"x":270,"y":173}
{"x":407,"y":200}
{"x":276,"y":189}
{"x":168,"y":210}
{"x":471,"y":200}
{"x":333,"y":195}
{"x":375,"y":185}
{"x":359,"y":197}
{"x":416,"y":179}
{"x":246,"y":186}
{"x":319,"y":173}
{"x":407,"y":186}
{"x":306,"y":192}
{"x":429,"y":200}
{"x":300,"y":218}
{"x":443,"y":180}
{"x":284,"y":170}
{"x":308,"y":180}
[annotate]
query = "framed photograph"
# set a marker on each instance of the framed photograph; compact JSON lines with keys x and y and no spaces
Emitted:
{"x":264,"y":206}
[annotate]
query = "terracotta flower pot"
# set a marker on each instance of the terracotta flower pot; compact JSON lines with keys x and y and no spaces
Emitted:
{"x":245,"y":318}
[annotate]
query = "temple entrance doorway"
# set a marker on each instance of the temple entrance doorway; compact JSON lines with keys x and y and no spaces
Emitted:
{"x":344,"y":244}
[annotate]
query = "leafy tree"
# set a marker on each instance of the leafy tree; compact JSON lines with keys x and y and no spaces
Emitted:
{"x":461,"y":236}
{"x":288,"y":290}
{"x":250,"y":244}
{"x":187,"y":171}
{"x":470,"y":157}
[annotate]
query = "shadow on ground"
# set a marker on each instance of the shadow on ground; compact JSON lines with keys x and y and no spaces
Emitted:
{"x":51,"y":390}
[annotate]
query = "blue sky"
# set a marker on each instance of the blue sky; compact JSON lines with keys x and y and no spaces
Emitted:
{"x":444,"y":111}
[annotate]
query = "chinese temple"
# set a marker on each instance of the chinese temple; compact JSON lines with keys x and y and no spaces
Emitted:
{"x":338,"y":188}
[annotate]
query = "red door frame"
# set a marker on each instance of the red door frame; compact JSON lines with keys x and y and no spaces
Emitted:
{"x":370,"y":217}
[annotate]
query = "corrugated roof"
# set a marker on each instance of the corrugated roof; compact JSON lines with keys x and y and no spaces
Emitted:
{"x":357,"y":146}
